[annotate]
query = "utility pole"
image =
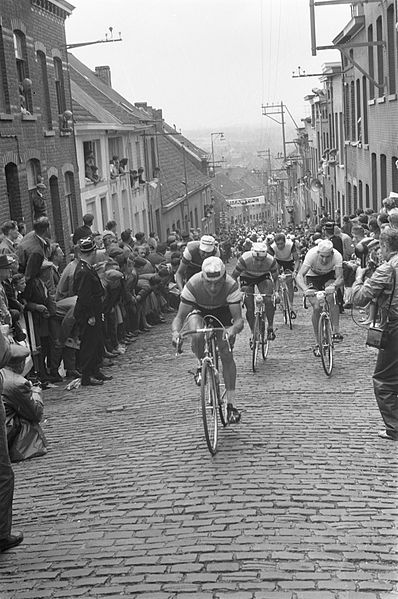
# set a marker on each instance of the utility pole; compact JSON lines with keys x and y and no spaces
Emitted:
{"x":185,"y":206}
{"x":105,"y":41}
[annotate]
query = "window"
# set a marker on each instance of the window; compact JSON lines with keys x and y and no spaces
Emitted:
{"x":392,"y":82}
{"x":46,"y":104}
{"x":380,"y":55}
{"x":346,"y":111}
{"x":371,"y":62}
{"x":115,"y":147}
{"x":349,"y":199}
{"x":24,"y":83}
{"x":394,"y":170}
{"x":59,"y":85}
{"x":4,"y":95}
{"x":70,"y":197}
{"x":355,"y":199}
{"x":33,"y":172}
{"x":353,"y":136}
{"x":360,"y":194}
{"x":367,"y":196}
{"x":374,"y":181}
{"x":359,"y":117}
{"x":383,"y":175}
{"x":91,"y":160}
{"x":365,"y":133}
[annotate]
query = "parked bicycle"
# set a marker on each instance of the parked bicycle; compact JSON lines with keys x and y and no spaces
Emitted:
{"x":259,"y":338}
{"x":212,"y":391}
{"x":325,"y":330}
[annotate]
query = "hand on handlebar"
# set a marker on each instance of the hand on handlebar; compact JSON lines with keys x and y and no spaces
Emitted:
{"x":175,"y":339}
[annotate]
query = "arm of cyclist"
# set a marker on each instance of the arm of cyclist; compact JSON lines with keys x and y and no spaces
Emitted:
{"x":238,"y":321}
{"x":300,"y":280}
{"x":177,"y":324}
{"x":180,"y":275}
{"x":339,"y":282}
{"x":296,"y":258}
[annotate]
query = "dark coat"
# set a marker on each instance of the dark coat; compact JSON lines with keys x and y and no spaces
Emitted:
{"x":90,"y":292}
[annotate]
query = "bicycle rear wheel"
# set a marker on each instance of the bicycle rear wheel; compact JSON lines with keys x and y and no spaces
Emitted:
{"x":325,"y":337}
{"x":256,"y":341}
{"x":287,"y":315}
{"x":209,"y":403}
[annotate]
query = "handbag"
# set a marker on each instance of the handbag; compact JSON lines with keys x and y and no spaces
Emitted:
{"x":378,"y":336}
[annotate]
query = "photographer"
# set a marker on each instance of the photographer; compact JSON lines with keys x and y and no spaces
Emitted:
{"x":379,"y":287}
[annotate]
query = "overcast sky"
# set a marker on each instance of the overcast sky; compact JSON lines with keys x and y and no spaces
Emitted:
{"x":207,"y":63}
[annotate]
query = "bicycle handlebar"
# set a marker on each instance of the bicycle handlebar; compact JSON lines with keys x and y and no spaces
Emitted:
{"x":205,"y":331}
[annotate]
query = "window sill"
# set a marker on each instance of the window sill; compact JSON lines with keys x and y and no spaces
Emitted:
{"x":28,"y":117}
{"x":371,"y":102}
{"x":381,"y":100}
{"x":392,"y":97}
{"x":6,"y":117}
{"x":366,"y":146}
{"x":49,"y":133}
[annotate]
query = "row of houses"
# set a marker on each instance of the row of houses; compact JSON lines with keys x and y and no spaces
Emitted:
{"x":346,"y":152}
{"x":70,"y":144}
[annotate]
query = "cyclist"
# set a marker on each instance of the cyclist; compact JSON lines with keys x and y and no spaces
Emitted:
{"x":321,"y":269}
{"x":192,"y":258}
{"x":288,"y":259}
{"x":258,"y":267}
{"x":212,"y":292}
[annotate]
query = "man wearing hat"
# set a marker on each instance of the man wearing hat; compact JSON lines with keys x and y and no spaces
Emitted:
{"x":322,"y":268}
{"x":192,"y":258}
{"x":89,"y":314}
{"x":212,"y":292}
{"x":38,"y":201}
{"x":337,"y":241}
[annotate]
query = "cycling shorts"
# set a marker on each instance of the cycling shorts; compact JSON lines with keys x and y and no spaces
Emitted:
{"x":254,"y":281}
{"x":319,"y":282}
{"x":223,"y":314}
{"x":286,"y":265}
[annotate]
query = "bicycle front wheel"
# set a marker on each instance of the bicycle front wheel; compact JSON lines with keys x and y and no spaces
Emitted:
{"x":287,"y":315}
{"x":264,"y":339}
{"x":256,"y":341}
{"x":209,"y":402}
{"x":325,"y":337}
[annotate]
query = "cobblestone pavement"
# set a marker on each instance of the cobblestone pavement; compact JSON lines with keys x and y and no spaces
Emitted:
{"x":299,"y":503}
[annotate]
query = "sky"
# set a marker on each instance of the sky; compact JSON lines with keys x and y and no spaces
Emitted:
{"x":208,"y":64}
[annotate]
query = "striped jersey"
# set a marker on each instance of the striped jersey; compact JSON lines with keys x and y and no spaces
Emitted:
{"x":249,"y":268}
{"x":197,"y":294}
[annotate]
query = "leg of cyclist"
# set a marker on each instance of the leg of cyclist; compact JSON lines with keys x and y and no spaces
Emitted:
{"x":334,"y":313}
{"x":249,"y":304}
{"x":194,"y":321}
{"x":290,"y":288}
{"x":267,"y":287}
{"x":229,"y":376}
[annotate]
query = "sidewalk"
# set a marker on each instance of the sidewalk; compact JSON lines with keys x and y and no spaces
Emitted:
{"x":300,"y":502}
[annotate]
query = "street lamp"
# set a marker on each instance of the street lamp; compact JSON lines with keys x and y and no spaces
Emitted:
{"x":212,"y":135}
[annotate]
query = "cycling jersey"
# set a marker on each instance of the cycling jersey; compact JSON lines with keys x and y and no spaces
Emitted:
{"x":196,"y":293}
{"x":316,"y":268}
{"x":192,"y":258}
{"x":250,"y":269}
{"x":286,"y":254}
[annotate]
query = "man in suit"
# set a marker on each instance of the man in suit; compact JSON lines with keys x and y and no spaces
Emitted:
{"x":89,"y":314}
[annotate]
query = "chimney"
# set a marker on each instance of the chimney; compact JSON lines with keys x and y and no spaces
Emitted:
{"x":104,"y":73}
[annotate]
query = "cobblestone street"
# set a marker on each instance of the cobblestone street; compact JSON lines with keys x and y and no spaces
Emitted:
{"x":299,"y":503}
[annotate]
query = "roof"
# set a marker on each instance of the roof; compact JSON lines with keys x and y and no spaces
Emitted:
{"x":172,"y":171}
{"x":99,"y":99}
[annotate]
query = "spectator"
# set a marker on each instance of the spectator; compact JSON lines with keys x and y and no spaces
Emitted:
{"x":8,"y":245}
{"x":7,"y":539}
{"x":85,"y":230}
{"x":23,"y":404}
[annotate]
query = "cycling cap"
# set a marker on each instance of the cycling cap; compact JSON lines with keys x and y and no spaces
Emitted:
{"x":213,"y":268}
{"x":325,"y":246}
{"x":207,"y":243}
{"x":259,"y":249}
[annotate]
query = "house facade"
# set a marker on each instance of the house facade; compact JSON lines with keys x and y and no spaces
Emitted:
{"x":37,"y":151}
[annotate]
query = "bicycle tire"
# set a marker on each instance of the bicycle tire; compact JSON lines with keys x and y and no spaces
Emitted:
{"x":264,"y":339}
{"x":325,"y":337}
{"x":223,"y":408}
{"x":287,"y":315}
{"x":256,"y":341}
{"x":209,"y":404}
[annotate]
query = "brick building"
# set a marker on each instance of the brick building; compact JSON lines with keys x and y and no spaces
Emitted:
{"x":36,"y":123}
{"x":352,"y":157}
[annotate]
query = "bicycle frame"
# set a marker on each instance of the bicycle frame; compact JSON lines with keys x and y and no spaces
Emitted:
{"x":325,"y":331}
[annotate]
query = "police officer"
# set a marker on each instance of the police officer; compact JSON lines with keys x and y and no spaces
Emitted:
{"x":89,"y":314}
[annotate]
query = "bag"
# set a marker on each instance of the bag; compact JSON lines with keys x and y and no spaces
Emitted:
{"x":377,"y":337}
{"x":30,"y":442}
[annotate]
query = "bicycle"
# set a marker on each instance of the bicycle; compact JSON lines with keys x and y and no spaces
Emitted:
{"x":259,"y":338}
{"x":212,"y":391}
{"x":325,"y":330}
{"x":288,"y":313}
